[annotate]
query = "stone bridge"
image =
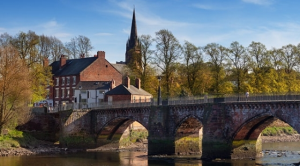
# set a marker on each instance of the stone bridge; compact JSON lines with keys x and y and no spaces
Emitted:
{"x":216,"y":130}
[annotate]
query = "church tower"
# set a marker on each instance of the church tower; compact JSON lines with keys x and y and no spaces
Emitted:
{"x":133,"y":48}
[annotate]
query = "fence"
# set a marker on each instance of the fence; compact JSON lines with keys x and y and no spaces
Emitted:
{"x":178,"y":101}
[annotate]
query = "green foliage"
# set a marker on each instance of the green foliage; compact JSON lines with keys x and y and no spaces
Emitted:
{"x":277,"y":131}
{"x":15,"y":138}
{"x":133,"y":137}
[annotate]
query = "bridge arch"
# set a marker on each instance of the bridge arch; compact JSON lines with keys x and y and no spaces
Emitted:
{"x":111,"y":132}
{"x":188,"y":136}
{"x":246,"y":140}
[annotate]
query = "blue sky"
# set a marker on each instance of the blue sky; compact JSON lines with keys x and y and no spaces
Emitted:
{"x":274,"y":23}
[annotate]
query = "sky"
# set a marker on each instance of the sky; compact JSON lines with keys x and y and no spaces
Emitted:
{"x":107,"y":23}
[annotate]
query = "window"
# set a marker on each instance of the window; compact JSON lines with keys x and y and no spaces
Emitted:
{"x":62,"y":93}
{"x":73,"y":91}
{"x":74,"y":80}
{"x":57,"y":81}
{"x":68,"y":80}
{"x":68,"y":92}
{"x":83,"y":91}
{"x":63,"y":81}
{"x":56,"y":93}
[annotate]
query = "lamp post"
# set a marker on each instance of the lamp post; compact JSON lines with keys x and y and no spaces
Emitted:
{"x":159,"y":92}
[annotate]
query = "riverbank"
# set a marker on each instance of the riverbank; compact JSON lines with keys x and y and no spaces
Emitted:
{"x":281,"y":138}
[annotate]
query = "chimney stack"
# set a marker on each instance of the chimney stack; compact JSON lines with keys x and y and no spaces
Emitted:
{"x":63,"y":61}
{"x":127,"y":82}
{"x":82,"y":56}
{"x":45,"y":62}
{"x":138,"y":83}
{"x":112,"y":84}
{"x":101,"y":54}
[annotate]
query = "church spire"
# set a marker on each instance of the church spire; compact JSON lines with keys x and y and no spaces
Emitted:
{"x":133,"y":33}
{"x":133,"y":41}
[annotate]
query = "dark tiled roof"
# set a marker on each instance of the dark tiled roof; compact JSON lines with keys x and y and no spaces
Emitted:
{"x":119,"y":67}
{"x":123,"y":90}
{"x":89,"y":85}
{"x":72,"y":67}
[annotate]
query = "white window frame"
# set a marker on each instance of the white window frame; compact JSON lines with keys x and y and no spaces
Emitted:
{"x":57,"y":81}
{"x":74,"y":80}
{"x":63,"y":81}
{"x":62,"y":92}
{"x":56,"y":92}
{"x":68,"y":81}
{"x":68,"y":92}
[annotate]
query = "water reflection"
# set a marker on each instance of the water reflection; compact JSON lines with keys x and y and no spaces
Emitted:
{"x":292,"y":150}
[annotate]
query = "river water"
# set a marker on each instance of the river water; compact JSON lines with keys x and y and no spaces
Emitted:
{"x":274,"y":154}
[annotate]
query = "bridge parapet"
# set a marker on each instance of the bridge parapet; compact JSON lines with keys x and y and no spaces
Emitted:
{"x":180,"y":101}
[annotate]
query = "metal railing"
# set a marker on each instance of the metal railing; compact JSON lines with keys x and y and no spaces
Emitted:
{"x":178,"y":101}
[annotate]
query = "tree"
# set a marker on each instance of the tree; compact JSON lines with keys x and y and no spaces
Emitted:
{"x":80,"y":45}
{"x":26,"y":44}
{"x":193,"y":64}
{"x":168,"y":51}
{"x":5,"y":39}
{"x":146,"y":52}
{"x":15,"y":84}
{"x":260,"y":65}
{"x":290,"y":58}
{"x":57,"y":48}
{"x":217,"y":56}
{"x":239,"y":61}
{"x":72,"y":48}
{"x":44,"y":47}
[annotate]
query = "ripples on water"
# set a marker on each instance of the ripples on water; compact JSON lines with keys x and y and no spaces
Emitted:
{"x":270,"y":150}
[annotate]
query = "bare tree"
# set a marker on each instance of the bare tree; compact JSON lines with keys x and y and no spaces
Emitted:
{"x":5,"y":39}
{"x":26,"y":44}
{"x":80,"y":45}
{"x":57,"y":48}
{"x":146,"y":52}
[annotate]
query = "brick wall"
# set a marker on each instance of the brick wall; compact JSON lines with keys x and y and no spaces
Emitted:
{"x":102,"y":70}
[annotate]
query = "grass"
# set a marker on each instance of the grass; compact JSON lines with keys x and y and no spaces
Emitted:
{"x":15,"y":139}
{"x":277,"y":131}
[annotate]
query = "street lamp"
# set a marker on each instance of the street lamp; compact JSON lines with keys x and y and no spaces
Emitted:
{"x":159,"y":92}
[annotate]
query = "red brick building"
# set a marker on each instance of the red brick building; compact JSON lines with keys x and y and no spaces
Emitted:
{"x":127,"y":92}
{"x":67,"y":73}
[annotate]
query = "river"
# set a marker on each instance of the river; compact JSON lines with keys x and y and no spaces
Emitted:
{"x":274,"y":154}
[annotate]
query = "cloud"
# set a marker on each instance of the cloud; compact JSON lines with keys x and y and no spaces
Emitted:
{"x":205,"y":7}
{"x":103,"y":34}
{"x":259,"y":2}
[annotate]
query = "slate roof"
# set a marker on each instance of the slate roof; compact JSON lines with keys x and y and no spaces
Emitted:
{"x":89,"y":85}
{"x":123,"y":90}
{"x":119,"y":67}
{"x":72,"y":67}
